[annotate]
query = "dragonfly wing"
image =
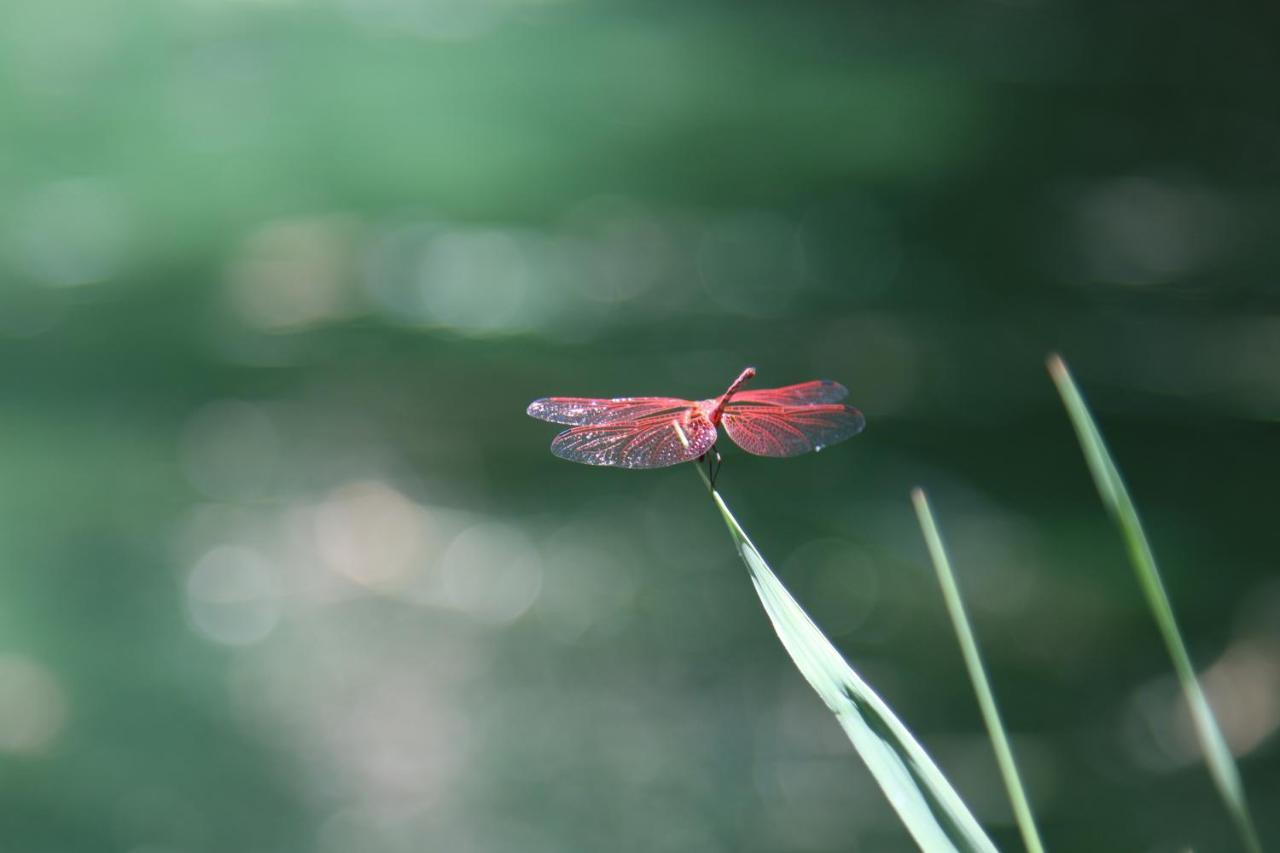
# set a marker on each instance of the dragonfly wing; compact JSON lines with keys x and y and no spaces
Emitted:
{"x":654,"y":441}
{"x":590,"y":410}
{"x":806,"y":393}
{"x":790,"y":430}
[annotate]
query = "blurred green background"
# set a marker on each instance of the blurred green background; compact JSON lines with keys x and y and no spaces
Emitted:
{"x":285,"y":567}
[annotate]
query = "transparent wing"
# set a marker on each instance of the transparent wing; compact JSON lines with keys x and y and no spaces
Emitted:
{"x":655,"y":441}
{"x":590,"y":410}
{"x":817,"y":391}
{"x":789,"y":430}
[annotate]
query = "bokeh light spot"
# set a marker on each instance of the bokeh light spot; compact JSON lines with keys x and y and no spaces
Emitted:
{"x":370,"y":533}
{"x":474,"y":281}
{"x":492,"y":572}
{"x":232,"y":596}
{"x":1138,"y":230}
{"x":293,"y":274}
{"x":33,"y":706}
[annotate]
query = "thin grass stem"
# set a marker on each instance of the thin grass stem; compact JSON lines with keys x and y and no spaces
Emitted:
{"x":977,"y":674}
{"x":1111,"y":487}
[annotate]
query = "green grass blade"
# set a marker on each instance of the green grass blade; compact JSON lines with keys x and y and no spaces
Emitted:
{"x":1222,"y":767}
{"x":927,"y":804}
{"x":977,"y":674}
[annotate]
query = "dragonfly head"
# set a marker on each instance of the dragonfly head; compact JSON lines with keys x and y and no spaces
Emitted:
{"x":746,"y":374}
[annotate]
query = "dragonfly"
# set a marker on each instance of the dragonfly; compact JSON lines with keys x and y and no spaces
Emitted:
{"x":656,"y":432}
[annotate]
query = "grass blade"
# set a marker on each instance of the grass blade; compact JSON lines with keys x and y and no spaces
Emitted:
{"x":1222,"y":767}
{"x":927,"y":804}
{"x":977,"y":674}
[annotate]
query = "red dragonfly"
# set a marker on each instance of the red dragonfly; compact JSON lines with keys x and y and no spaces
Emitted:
{"x":654,"y":432}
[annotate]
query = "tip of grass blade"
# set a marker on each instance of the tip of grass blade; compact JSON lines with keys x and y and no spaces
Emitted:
{"x":1057,"y":367}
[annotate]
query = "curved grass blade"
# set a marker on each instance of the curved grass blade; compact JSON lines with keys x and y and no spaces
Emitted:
{"x":977,"y":674}
{"x":930,"y":808}
{"x":1222,"y":767}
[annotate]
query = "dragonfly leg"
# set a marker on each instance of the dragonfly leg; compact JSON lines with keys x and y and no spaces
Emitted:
{"x":713,"y":465}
